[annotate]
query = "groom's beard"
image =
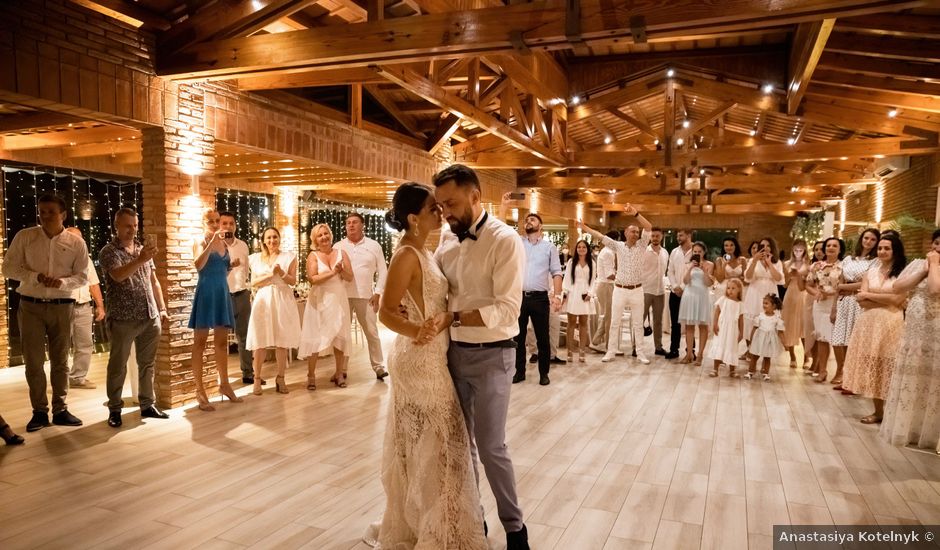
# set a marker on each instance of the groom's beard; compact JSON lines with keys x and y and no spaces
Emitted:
{"x":459,"y":225}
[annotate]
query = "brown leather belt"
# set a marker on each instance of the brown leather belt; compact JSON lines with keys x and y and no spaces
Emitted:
{"x":628,"y":287}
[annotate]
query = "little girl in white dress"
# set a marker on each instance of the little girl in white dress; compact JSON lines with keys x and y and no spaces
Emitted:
{"x":728,"y":328}
{"x":766,"y":337}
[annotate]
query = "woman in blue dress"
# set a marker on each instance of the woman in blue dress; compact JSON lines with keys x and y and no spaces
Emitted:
{"x":695,"y":308}
{"x":212,"y":307}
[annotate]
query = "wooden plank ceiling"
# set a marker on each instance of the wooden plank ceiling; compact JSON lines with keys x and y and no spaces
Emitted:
{"x":679,"y":124}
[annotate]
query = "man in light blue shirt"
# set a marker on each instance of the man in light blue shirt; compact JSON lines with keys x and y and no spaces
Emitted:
{"x":542,"y":266}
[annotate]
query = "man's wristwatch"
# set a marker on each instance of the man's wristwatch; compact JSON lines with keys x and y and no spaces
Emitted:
{"x":456,"y":322}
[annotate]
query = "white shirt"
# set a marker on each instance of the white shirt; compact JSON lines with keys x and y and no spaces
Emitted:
{"x":64,"y":257}
{"x":238,"y":276}
{"x":629,"y":258}
{"x":654,"y":269}
{"x":606,"y":265}
{"x":484,"y":274}
{"x":367,"y":261}
{"x":678,"y":263}
{"x":82,"y":294}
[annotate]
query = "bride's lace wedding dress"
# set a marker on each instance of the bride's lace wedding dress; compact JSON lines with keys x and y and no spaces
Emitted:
{"x":432,"y":497}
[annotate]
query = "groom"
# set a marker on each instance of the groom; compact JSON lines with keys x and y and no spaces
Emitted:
{"x":484,"y":265}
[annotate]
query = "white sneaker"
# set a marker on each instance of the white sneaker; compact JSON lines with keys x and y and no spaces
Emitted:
{"x":766,"y":378}
{"x":608,"y":357}
{"x":642,"y":359}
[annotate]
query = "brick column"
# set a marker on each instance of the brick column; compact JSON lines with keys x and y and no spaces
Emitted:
{"x":174,"y":157}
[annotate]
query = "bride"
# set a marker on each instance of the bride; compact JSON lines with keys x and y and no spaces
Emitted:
{"x":432,"y":497}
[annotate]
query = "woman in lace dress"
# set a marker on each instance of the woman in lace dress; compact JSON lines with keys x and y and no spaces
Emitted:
{"x":847,"y":308}
{"x":912,"y":410}
{"x":730,"y":265}
{"x":432,"y":499}
{"x":872,"y":354}
{"x":764,"y":271}
{"x":794,"y":273}
{"x":809,"y":327}
{"x":822,"y":285}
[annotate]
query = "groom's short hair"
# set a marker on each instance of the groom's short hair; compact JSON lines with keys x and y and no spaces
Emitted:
{"x":460,"y":174}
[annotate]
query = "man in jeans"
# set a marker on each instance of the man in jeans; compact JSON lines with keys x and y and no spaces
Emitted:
{"x":49,"y":263}
{"x":89,"y":307}
{"x":241,"y":295}
{"x":137,"y":309}
{"x":654,"y":289}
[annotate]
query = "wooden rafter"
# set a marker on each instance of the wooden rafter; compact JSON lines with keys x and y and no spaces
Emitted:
{"x":422,"y":87}
{"x":808,"y":44}
{"x":126,"y":12}
{"x":884,"y":98}
{"x":642,"y":126}
{"x":339,"y":77}
{"x":445,"y":130}
{"x":709,"y":118}
{"x":381,"y":97}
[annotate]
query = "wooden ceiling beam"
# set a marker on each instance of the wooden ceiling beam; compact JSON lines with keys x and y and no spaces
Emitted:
{"x":698,"y":86}
{"x":108,"y":149}
{"x":537,"y":74}
{"x":884,"y":98}
{"x":34,"y":120}
{"x":897,"y":85}
{"x":927,"y":51}
{"x":127,"y":12}
{"x":895,"y":24}
{"x":381,"y":97}
{"x":422,"y":87}
{"x":227,"y":19}
{"x":631,"y":93}
{"x":696,"y":126}
{"x":878,"y":66}
{"x":538,"y":25}
{"x":445,"y":130}
{"x":309,"y":79}
{"x":865,"y":117}
{"x":642,"y":126}
{"x":808,"y":44}
{"x":46,"y":140}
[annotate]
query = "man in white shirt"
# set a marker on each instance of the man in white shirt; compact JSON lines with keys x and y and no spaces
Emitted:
{"x":678,"y":262}
{"x":655,"y":262}
{"x":484,"y":264}
{"x":368,"y":267}
{"x":240,"y":292}
{"x":604,"y":290}
{"x":49,"y":262}
{"x":628,"y":288}
{"x":89,"y":307}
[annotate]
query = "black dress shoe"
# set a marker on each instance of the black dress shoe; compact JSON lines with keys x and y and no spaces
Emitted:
{"x":153,"y":412}
{"x":65,"y":418}
{"x":518,"y":377}
{"x":39,"y":421}
{"x":634,"y":353}
{"x":661,"y":351}
{"x":544,"y":381}
{"x":672,"y":355}
{"x":647,"y":331}
{"x":518,"y":540}
{"x":534,"y":358}
{"x":114,"y":419}
{"x":251,"y":380}
{"x":557,"y":360}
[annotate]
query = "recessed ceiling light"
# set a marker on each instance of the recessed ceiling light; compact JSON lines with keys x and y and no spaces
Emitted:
{"x":753,"y":133}
{"x":791,"y":141}
{"x":607,"y":140}
{"x":575,"y":100}
{"x":680,"y":141}
{"x":701,"y":171}
{"x":670,"y":73}
{"x":893,"y":113}
{"x":768,"y":88}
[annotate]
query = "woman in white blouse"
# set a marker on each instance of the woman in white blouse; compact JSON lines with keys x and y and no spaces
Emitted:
{"x":578,"y":286}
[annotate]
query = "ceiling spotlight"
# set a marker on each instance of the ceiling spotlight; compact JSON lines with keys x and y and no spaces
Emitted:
{"x":685,"y":123}
{"x":768,"y":88}
{"x":701,"y":171}
{"x":753,"y":132}
{"x":658,"y":173}
{"x":802,"y":202}
{"x":670,"y":73}
{"x":679,"y":142}
{"x":607,"y":140}
{"x":656,"y":141}
{"x":794,"y":189}
{"x":892,"y":113}
{"x":575,"y":100}
{"x":791,"y":141}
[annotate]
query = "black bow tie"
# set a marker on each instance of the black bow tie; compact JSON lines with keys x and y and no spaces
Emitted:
{"x":463,"y":235}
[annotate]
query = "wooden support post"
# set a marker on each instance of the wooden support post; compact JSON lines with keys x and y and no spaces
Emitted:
{"x":355,"y":105}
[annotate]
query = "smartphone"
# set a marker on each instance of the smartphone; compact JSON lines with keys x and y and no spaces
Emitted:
{"x":150,"y":240}
{"x":517,"y":196}
{"x":696,"y":258}
{"x":727,"y":257}
{"x":584,"y":296}
{"x":228,"y":235}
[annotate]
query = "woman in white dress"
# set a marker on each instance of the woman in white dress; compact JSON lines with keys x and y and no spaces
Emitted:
{"x":822,"y":284}
{"x":730,"y":265}
{"x":764,"y":272}
{"x":848,"y":311}
{"x":809,"y":327}
{"x":912,"y":410}
{"x":578,"y":287}
{"x":274,"y":321}
{"x":326,"y":314}
{"x":432,"y":499}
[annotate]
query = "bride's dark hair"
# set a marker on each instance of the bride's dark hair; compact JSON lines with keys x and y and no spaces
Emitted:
{"x":408,"y":199}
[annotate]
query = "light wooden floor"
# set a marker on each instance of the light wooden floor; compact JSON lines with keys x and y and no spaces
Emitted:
{"x":608,"y":456}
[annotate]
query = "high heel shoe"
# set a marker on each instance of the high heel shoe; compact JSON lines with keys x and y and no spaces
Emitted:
{"x":227,"y":391}
{"x":311,"y":383}
{"x":256,"y":388}
{"x":339,"y":380}
{"x":203,"y":401}
{"x":281,"y":385}
{"x":9,"y":437}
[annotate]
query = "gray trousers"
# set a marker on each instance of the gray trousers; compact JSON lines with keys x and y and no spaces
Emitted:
{"x":605,"y":299}
{"x":241,"y":305}
{"x":366,"y":317}
{"x":483,"y":378}
{"x":83,"y":344}
{"x":37,"y":323}
{"x":657,"y":303}
{"x":144,"y":335}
